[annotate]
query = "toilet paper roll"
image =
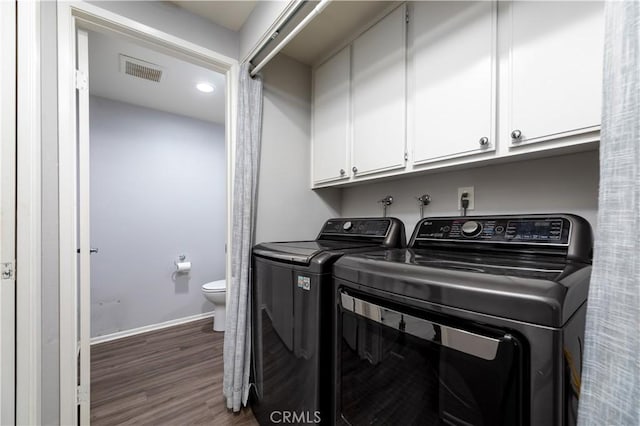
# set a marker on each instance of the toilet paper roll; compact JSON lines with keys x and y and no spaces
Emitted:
{"x":183,"y":266}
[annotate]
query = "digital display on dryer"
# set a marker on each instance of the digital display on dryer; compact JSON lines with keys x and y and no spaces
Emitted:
{"x":537,"y":230}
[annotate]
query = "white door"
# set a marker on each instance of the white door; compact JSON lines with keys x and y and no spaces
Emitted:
{"x":379,"y":69}
{"x":451,"y":78}
{"x":331,"y":104}
{"x":84,"y":264}
{"x":556,"y":69}
{"x":8,"y":209}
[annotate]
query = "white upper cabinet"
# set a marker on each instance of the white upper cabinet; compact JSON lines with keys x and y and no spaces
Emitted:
{"x":331,"y":129}
{"x":454,"y":85}
{"x":451,"y":92}
{"x":378,"y":87}
{"x":554,"y":70}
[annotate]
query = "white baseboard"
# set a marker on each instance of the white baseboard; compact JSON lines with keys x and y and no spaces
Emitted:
{"x":147,"y":328}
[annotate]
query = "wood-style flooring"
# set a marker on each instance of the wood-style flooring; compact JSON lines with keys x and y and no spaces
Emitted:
{"x":165,"y":377}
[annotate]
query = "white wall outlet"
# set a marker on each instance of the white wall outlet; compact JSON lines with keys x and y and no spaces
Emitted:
{"x":470,"y":197}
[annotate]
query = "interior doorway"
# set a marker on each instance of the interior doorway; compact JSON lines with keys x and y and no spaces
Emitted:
{"x":154,"y":186}
{"x":76,"y":186}
{"x":157,"y":186}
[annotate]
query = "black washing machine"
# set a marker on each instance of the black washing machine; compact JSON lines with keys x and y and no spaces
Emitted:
{"x":479,"y":322}
{"x":292,"y":316}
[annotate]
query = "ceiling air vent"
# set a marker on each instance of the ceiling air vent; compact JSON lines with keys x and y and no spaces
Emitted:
{"x":139,"y":68}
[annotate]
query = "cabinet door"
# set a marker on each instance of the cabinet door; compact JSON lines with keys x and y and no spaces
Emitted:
{"x":556,"y":69}
{"x":331,"y":118}
{"x":379,"y":96}
{"x":451,"y":78}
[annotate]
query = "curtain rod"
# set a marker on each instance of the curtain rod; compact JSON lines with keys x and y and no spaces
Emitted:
{"x":316,"y":11}
{"x":293,"y":8}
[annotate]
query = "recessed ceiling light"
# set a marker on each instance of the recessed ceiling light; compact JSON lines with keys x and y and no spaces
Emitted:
{"x":205,"y":87}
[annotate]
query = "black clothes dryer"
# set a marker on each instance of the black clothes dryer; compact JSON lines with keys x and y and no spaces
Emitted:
{"x":479,"y":322}
{"x":292,"y":317}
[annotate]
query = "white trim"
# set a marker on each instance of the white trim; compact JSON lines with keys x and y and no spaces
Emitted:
{"x":8,"y":209}
{"x":230,"y":148}
{"x":147,"y":328}
{"x":28,"y":341}
{"x":92,"y":17}
{"x":67,"y":216}
{"x":84,"y":237}
{"x":80,"y":14}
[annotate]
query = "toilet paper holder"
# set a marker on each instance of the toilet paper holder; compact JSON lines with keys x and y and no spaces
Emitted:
{"x":181,"y":265}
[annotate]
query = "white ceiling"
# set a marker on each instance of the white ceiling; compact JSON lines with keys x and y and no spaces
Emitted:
{"x":175,"y":92}
{"x":330,"y":29}
{"x":229,"y":14}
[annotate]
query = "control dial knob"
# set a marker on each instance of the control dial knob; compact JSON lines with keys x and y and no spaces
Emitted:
{"x":471,"y":228}
{"x":347,"y":226}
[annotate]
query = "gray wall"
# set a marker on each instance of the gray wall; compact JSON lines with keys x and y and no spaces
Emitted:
{"x":567,"y":183}
{"x":287,"y":208}
{"x":172,"y":19}
{"x":157,"y":191}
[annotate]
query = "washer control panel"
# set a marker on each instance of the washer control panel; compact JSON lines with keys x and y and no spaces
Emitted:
{"x":536,"y":230}
{"x":357,"y":227}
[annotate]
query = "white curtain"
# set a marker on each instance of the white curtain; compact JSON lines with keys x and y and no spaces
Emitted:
{"x":610,"y":393}
{"x":237,"y":338}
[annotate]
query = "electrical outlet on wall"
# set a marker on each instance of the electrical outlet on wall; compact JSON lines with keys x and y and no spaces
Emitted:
{"x":470,"y":197}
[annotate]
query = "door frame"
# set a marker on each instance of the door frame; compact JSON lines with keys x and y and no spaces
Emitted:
{"x":28,"y":220}
{"x":8,"y":208}
{"x":71,"y":16}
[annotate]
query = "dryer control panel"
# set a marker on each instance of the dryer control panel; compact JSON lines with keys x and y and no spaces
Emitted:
{"x":534,"y":230}
{"x":383,"y":231}
{"x":357,"y":227}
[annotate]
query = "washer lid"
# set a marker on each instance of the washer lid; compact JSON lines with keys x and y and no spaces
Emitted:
{"x":531,"y":290}
{"x":301,"y":252}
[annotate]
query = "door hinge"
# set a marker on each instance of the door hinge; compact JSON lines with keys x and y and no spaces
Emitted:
{"x":406,"y":17}
{"x":406,"y":156}
{"x":81,"y":80}
{"x":81,"y":395}
{"x":8,"y":271}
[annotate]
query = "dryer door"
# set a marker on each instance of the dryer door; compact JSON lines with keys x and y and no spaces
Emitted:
{"x":399,"y":366}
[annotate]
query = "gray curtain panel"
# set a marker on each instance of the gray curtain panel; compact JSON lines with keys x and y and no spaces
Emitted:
{"x":237,"y":338}
{"x":610,"y":393}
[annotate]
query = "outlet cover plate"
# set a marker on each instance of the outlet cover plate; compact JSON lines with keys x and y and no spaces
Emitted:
{"x":469,"y":190}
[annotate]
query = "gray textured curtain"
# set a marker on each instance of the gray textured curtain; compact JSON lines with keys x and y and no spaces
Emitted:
{"x":610,"y":393}
{"x":237,"y":338}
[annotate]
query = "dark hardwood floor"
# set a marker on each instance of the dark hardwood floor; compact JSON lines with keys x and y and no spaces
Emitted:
{"x":165,"y":377}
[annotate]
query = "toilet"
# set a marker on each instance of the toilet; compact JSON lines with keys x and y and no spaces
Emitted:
{"x":215,"y":292}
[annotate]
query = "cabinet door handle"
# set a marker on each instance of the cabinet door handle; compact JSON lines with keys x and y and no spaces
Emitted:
{"x":342,"y":172}
{"x":484,"y":141}
{"x":354,"y":169}
{"x":516,"y":135}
